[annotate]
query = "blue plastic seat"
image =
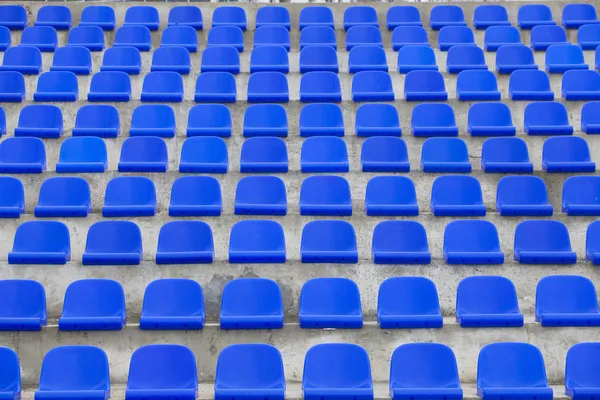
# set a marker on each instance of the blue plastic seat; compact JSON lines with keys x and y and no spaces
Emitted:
{"x":2,"y":122}
{"x":329,"y":242}
{"x":441,"y":154}
{"x":320,"y":87}
{"x":330,"y":303}
{"x":14,"y":17}
{"x":402,"y":16}
{"x":221,"y":59}
{"x":256,"y":241}
{"x":112,"y":86}
{"x":11,"y":376}
{"x":40,"y":120}
{"x":360,"y":16}
{"x":324,"y":154}
{"x":472,"y":242}
{"x":576,"y":15}
{"x":12,"y":87}
{"x":446,"y":15}
{"x":193,"y":196}
{"x":372,"y":86}
{"x":173,"y":304}
{"x":90,"y":37}
{"x":400,"y":242}
{"x":229,"y":16}
{"x":315,"y":16}
{"x":142,"y":15}
{"x":43,"y":37}
{"x":143,"y":154}
{"x":384,"y":154}
{"x":204,"y":154}
{"x":318,"y":58}
{"x":5,"y":40}
{"x":581,"y":85}
{"x":588,"y":36}
{"x":57,"y":86}
{"x":64,"y":197}
{"x":522,"y":196}
{"x":24,"y":59}
{"x":465,"y":57}
{"x":450,"y":36}
{"x":113,"y":243}
{"x":318,"y":35}
{"x":505,"y":155}
{"x":209,"y":120}
{"x":530,"y":85}
{"x":580,"y":196}
{"x":92,"y":305}
{"x":22,"y":308}
{"x":82,"y":155}
{"x":566,"y":300}
{"x":488,"y":15}
{"x":129,"y":196}
{"x":102,"y":16}
{"x":41,"y":242}
{"x":363,"y":35}
{"x":404,"y":36}
{"x":12,"y":197}
{"x":367,"y":58}
{"x":425,"y":86}
{"x":377,"y":120}
{"x":337,"y":369}
{"x":265,"y":120}
{"x":564,"y":57}
{"x":226,"y":36}
{"x":268,"y":87}
{"x":74,"y":59}
{"x":272,"y":36}
{"x":580,"y":379}
{"x":477,"y":85}
{"x":269,"y":59}
{"x":498,"y":36}
{"x":153,"y":120}
{"x":567,"y":154}
{"x":164,"y":86}
{"x":543,"y":242}
{"x":273,"y":16}
{"x":171,"y":59}
{"x":251,"y":303}
{"x":592,"y":251}
{"x":457,"y":195}
{"x":547,"y":118}
{"x":433,"y":120}
{"x":137,"y":36}
{"x":416,"y":58}
{"x":531,"y":15}
{"x":215,"y":87}
{"x":321,"y":119}
{"x":264,"y":154}
{"x":407,"y":302}
{"x":325,"y":195}
{"x":22,"y":155}
{"x":544,"y":36}
{"x":390,"y":196}
{"x":590,"y":121}
{"x":162,"y":371}
{"x":490,"y":119}
{"x":185,"y":242}
{"x":125,"y":59}
{"x":261,"y":195}
{"x":180,"y":36}
{"x":512,"y":57}
{"x":186,"y":16}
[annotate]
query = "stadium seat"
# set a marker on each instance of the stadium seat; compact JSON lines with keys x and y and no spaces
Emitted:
{"x":143,"y":154}
{"x":324,"y":154}
{"x":592,"y":251}
{"x":445,"y":155}
{"x":57,"y":86}
{"x":433,"y":120}
{"x":159,"y":371}
{"x":142,"y":15}
{"x":41,"y":242}
{"x":12,"y":197}
{"x":12,"y":87}
{"x":490,"y":119}
{"x":22,"y":155}
{"x":337,"y":369}
{"x":318,"y":58}
{"x":588,"y":36}
{"x":576,"y":15}
{"x":92,"y":305}
{"x":544,"y":36}
{"x":425,"y":86}
{"x":408,"y":302}
{"x":580,"y":379}
{"x":330,"y":303}
{"x":40,"y":120}
{"x":82,"y":155}
{"x":547,"y":118}
{"x":487,"y":302}
{"x":220,"y":59}
{"x":402,"y":16}
{"x":404,"y":36}
{"x":129,"y":196}
{"x":125,"y":59}
{"x":238,"y":364}
{"x":315,"y":16}
{"x":372,"y":86}
{"x":446,"y":15}
{"x":209,"y":120}
{"x":567,"y":154}
{"x":74,"y":59}
{"x":320,"y":87}
{"x":581,"y":85}
{"x":360,"y":16}
{"x":470,"y":242}
{"x":531,"y":15}
{"x":261,"y":195}
{"x":325,"y":195}
{"x":522,"y":196}
{"x":580,"y":196}
{"x":226,"y":36}
{"x":90,"y":37}
{"x":564,"y":57}
{"x":11,"y":377}
{"x":367,"y":58}
{"x":416,"y":58}
{"x":173,"y":304}
{"x":488,"y":15}
{"x":590,"y":121}
{"x":186,"y":16}
{"x":321,"y":119}
{"x":137,"y":36}
{"x":22,"y":308}
{"x":164,"y":86}
{"x":2,"y":122}
{"x":113,"y":243}
{"x":180,"y":36}
{"x":377,"y":120}
{"x":265,"y":120}
{"x":450,"y":36}
{"x":363,"y":35}
{"x":512,"y":57}
{"x":477,"y":85}
{"x":215,"y":87}
{"x":465,"y":57}
{"x":384,"y":154}
{"x":42,"y":37}
{"x":113,"y":86}
{"x":64,"y":197}
{"x":530,"y":85}
{"x":400,"y":242}
{"x":505,"y":155}
{"x":251,"y":303}
{"x":390,"y":196}
{"x":24,"y":59}
{"x":171,"y":59}
{"x":204,"y":154}
{"x":153,"y":120}
{"x":256,"y":241}
{"x":264,"y":154}
{"x":185,"y":242}
{"x":318,"y":35}
{"x":566,"y":300}
{"x":102,"y":16}
{"x":457,"y":196}
{"x":195,"y":196}
{"x":229,"y":16}
{"x":5,"y":40}
{"x":269,"y":59}
{"x":272,"y":36}
{"x":328,"y":242}
{"x":498,"y":36}
{"x":14,"y":17}
{"x":543,"y":242}
{"x":268,"y":87}
{"x":273,"y":16}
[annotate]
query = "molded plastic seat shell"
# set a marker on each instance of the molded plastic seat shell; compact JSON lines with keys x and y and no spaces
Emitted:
{"x":522,"y":196}
{"x":404,"y":15}
{"x":360,"y":16}
{"x":173,"y":304}
{"x":318,"y":35}
{"x":186,"y":16}
{"x":588,"y":36}
{"x":110,"y":86}
{"x":580,"y":195}
{"x":400,"y":242}
{"x":416,"y":58}
{"x":57,"y":86}
{"x":445,"y":155}
{"x":318,"y":58}
{"x":457,"y":195}
{"x":446,"y":15}
{"x":102,"y":16}
{"x":330,"y":303}
{"x":164,"y":86}
{"x":408,"y":302}
{"x":580,"y":381}
{"x":22,"y":308}
{"x":320,"y":87}
{"x":204,"y":154}
{"x":14,"y":17}
{"x":256,"y":241}
{"x":450,"y":36}
{"x":544,"y":36}
{"x":195,"y":196}
{"x":220,"y":59}
{"x":505,"y":155}
{"x":324,"y":154}
{"x":530,"y":85}
{"x":226,"y":36}
{"x":269,"y":59}
{"x":372,"y":86}
{"x":531,"y":15}
{"x":82,"y":154}
{"x":433,"y":120}
{"x":581,"y":85}
{"x":404,"y":36}
{"x":137,"y":36}
{"x":185,"y":242}
{"x":251,"y":303}
{"x":567,"y":154}
{"x":487,"y":15}
{"x":153,"y":120}
{"x":229,"y":16}
{"x":12,"y":87}
{"x":209,"y":120}
{"x":576,"y":15}
{"x":390,"y":196}
{"x":143,"y":154}
{"x":325,"y":195}
{"x":498,"y":36}
{"x":129,"y":196}
{"x":90,"y":37}
{"x":174,"y":59}
{"x":490,"y":119}
{"x":12,"y":197}
{"x":384,"y":154}
{"x":512,"y":57}
{"x":272,"y":35}
{"x":24,"y":59}
{"x":328,"y":242}
{"x":425,"y":86}
{"x":142,"y":15}
{"x":181,"y":36}
{"x":75,"y":59}
{"x":113,"y":243}
{"x":264,"y":154}
{"x":22,"y":155}
{"x":44,"y":38}
{"x":315,"y":16}
{"x":367,"y":58}
{"x":41,"y":242}
{"x":590,"y":121}
{"x":363,"y":35}
{"x":546,"y":118}
{"x":322,"y":119}
{"x":64,"y":197}
{"x":543,"y":242}
{"x":125,"y":59}
{"x":215,"y":87}
{"x":40,"y":120}
{"x":564,"y":57}
{"x":472,"y":242}
{"x":260,"y":195}
{"x":477,"y":85}
{"x":462,"y":57}
{"x":268,"y":87}
{"x":273,"y":16}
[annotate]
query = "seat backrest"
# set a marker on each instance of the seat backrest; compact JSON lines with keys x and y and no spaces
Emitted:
{"x":446,"y":13}
{"x":410,"y":35}
{"x":407,"y":295}
{"x":337,"y":365}
{"x":134,"y":35}
{"x":416,"y":55}
{"x":142,"y":15}
{"x":249,"y":366}
{"x":477,"y":236}
{"x":21,"y":298}
{"x":328,"y":235}
{"x":229,"y":15}
{"x":325,"y":189}
{"x":102,"y":16}
{"x":75,"y":59}
{"x":110,"y":82}
{"x":580,"y":190}
{"x":424,"y":81}
{"x":564,"y":54}
{"x":42,"y":237}
{"x":565,"y":149}
{"x":505,"y":149}
{"x":531,"y":14}
{"x":130,"y":190}
{"x":60,"y":191}
{"x":314,"y":16}
{"x":581,"y":80}
{"x":583,"y":360}
{"x":486,"y":295}
{"x":204,"y":149}
{"x":501,"y":35}
{"x":384,"y":149}
{"x":456,"y":189}
{"x":465,"y":54}
{"x":180,"y":36}
{"x":270,"y":35}
{"x":173,"y":297}
{"x":490,"y":14}
{"x":253,"y":236}
{"x":543,"y":36}
{"x":41,"y":116}
{"x":538,"y":235}
{"x":216,"y":82}
{"x":511,"y":365}
{"x":574,"y":15}
{"x":489,"y":114}
{"x":402,"y":15}
{"x":514,"y":54}
{"x":545,"y":113}
{"x":12,"y":193}
{"x":53,"y":82}
{"x":363,"y":34}
{"x":529,"y":80}
{"x":371,"y":82}
{"x":185,"y":236}
{"x":144,"y":148}
{"x":444,"y":149}
{"x":316,"y":35}
{"x":476,"y":80}
{"x":521,"y":190}
{"x":450,"y":35}
{"x":273,"y":15}
{"x":114,"y":237}
{"x":22,"y":150}
{"x":160,"y":82}
{"x":424,"y":365}
{"x":320,"y":82}
{"x":152,"y":116}
{"x":261,"y":190}
{"x":264,"y":149}
{"x":44,"y":38}
{"x":92,"y":37}
{"x":209,"y":119}
{"x":190,"y":190}
{"x":121,"y":57}
{"x":360,"y":15}
{"x":10,"y":371}
{"x":389,"y":190}
{"x":94,"y":298}
{"x":83,"y":149}
{"x":15,"y":16}
{"x":251,"y":297}
{"x":226,"y":36}
{"x":12,"y":82}
{"x":73,"y":368}
{"x":323,"y":149}
{"x":162,"y":367}
{"x":565,"y":294}
{"x":329,"y":297}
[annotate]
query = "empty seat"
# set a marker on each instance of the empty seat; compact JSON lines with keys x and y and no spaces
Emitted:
{"x":407,"y":302}
{"x":472,"y":242}
{"x":14,"y":17}
{"x":384,"y":154}
{"x":490,"y":119}
{"x":544,"y":36}
{"x":512,"y":57}
{"x":445,"y":155}
{"x":474,"y":85}
{"x":522,"y":196}
{"x":42,"y":37}
{"x":321,"y":119}
{"x":97,"y":120}
{"x":425,"y":86}
{"x":580,"y":196}
{"x":41,"y":242}
{"x":566,"y":300}
{"x":318,"y":35}
{"x":588,"y":36}
{"x":226,"y":36}
{"x":40,"y":120}
{"x":185,"y":242}
{"x":264,"y":154}
{"x":221,"y":59}
{"x":153,"y":120}
{"x":377,"y":120}
{"x":82,"y":154}
{"x":446,"y":15}
{"x":164,"y":86}
{"x":12,"y":87}
{"x":265,"y":120}
{"x":465,"y":57}
{"x":64,"y":197}
{"x":372,"y":86}
{"x":204,"y":154}
{"x":324,"y":154}
{"x":90,"y":37}
{"x":269,"y":59}
{"x":22,"y":155}
{"x":137,"y":36}
{"x":455,"y":35}
{"x":129,"y":196}
{"x":143,"y":154}
{"x":5,"y":40}
{"x":543,"y":242}
{"x":576,"y":15}
{"x":251,"y":303}
{"x":193,"y":196}
{"x":328,"y":242}
{"x":110,"y":86}
{"x":173,"y":304}
{"x":325,"y":195}
{"x":315,"y":16}
{"x":125,"y":59}
{"x":330,"y":303}
{"x":390,"y":196}
{"x":186,"y":16}
{"x":102,"y":16}
{"x":530,"y":85}
{"x":531,"y":15}
{"x":433,"y":120}
{"x":400,"y":242}
{"x":360,"y":16}
{"x":363,"y":35}
{"x":75,"y":59}
{"x":487,"y":302}
{"x":159,"y":371}
{"x":547,"y":118}
{"x":24,"y":59}
{"x":209,"y":120}
{"x":498,"y":36}
{"x":320,"y":87}
{"x":367,"y":58}
{"x":22,"y":308}
{"x":142,"y":15}
{"x":488,"y":15}
{"x":318,"y":58}
{"x":567,"y":154}
{"x":564,"y":57}
{"x":268,"y":87}
{"x":402,"y":16}
{"x":113,"y":243}
{"x":261,"y":195}
{"x":229,"y":16}
{"x":215,"y":87}
{"x":581,"y":85}
{"x":172,"y":59}
{"x":457,"y":195}
{"x":404,"y":36}
{"x":11,"y":378}
{"x":505,"y":155}
{"x":273,"y":16}
{"x":416,"y":58}
{"x":255,"y":241}
{"x":272,"y":36}
{"x":180,"y":36}
{"x":12,"y":197}
{"x":57,"y":86}
{"x":580,"y":379}
{"x":592,"y":251}
{"x":93,"y":305}
{"x":590,"y":121}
